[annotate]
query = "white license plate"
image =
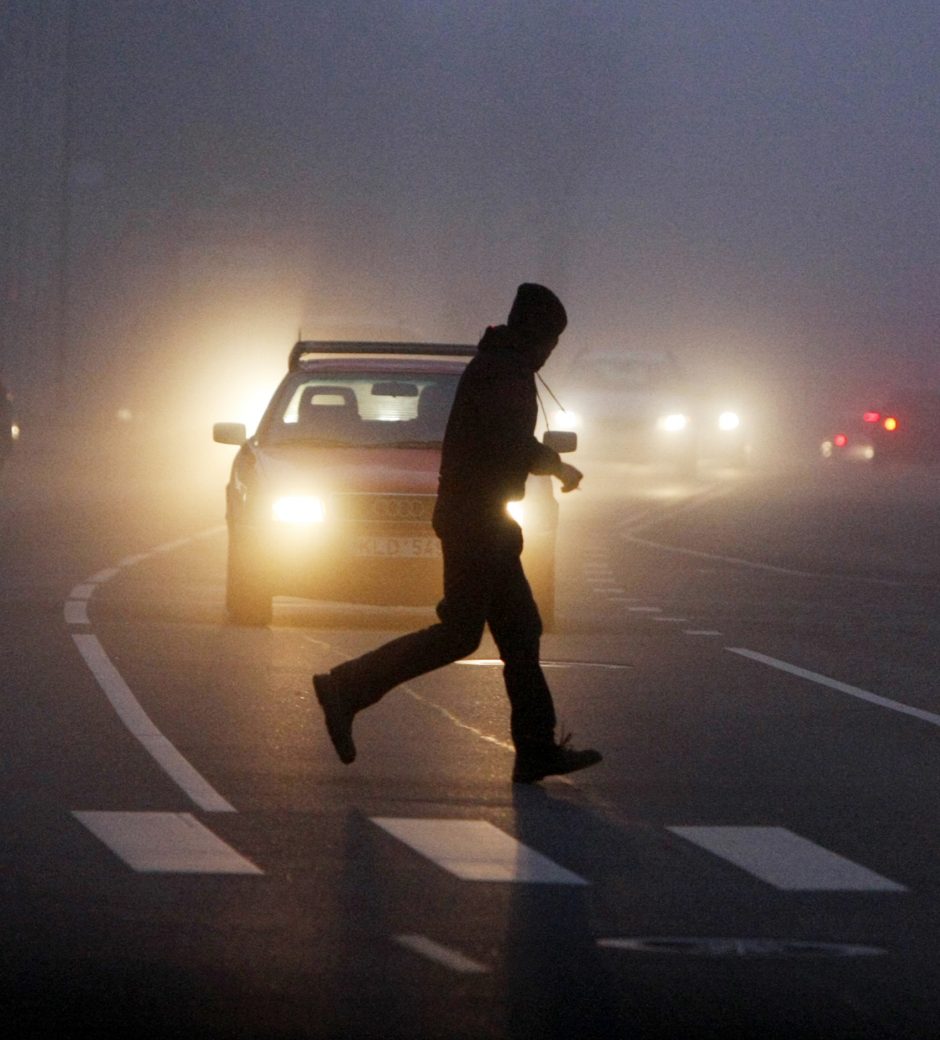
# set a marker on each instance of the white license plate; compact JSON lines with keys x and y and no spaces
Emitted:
{"x":389,"y":545}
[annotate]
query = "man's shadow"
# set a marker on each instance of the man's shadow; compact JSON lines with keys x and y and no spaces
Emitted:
{"x":557,"y":983}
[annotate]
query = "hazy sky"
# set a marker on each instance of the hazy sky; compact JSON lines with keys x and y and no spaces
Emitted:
{"x":752,"y":178}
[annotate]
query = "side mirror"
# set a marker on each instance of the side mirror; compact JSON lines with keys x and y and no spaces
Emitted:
{"x":561,"y":441}
{"x":229,"y":433}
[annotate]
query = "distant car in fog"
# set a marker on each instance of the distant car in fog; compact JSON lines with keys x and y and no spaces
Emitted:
{"x":901,"y":426}
{"x":642,"y":407}
{"x":9,"y":431}
{"x":332,"y":496}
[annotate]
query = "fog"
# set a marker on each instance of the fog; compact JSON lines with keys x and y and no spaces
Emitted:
{"x":185,"y":186}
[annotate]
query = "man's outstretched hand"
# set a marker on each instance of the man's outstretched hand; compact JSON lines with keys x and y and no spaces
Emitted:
{"x":569,"y":476}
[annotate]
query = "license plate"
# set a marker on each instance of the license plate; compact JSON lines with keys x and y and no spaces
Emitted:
{"x":390,"y":545}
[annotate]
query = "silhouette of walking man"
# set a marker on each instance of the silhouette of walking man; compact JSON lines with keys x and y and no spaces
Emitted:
{"x":488,"y":451}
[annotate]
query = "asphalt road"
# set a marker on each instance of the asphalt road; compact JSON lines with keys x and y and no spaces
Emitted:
{"x":755,"y":654}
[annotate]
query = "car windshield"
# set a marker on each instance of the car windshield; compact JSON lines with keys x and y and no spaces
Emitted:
{"x":381,"y":409}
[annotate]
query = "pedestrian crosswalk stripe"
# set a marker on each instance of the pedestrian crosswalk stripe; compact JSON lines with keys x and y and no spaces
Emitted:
{"x":165,"y":842}
{"x":786,"y":860}
{"x":452,"y":959}
{"x":475,"y":850}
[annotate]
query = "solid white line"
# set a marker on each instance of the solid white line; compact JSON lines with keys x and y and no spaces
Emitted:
{"x":164,"y":842}
{"x":495,"y":663}
{"x":452,"y":959}
{"x":82,"y":591}
{"x":106,"y":575}
{"x":786,"y":860}
{"x":139,"y":724}
{"x":793,"y":572}
{"x":701,"y":632}
{"x":76,"y":612}
{"x":834,"y":684}
{"x":132,"y":561}
{"x":475,"y":850}
{"x":646,"y":610}
{"x":170,"y":546}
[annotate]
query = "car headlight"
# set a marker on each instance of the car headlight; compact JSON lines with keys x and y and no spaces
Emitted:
{"x":516,"y":510}
{"x":729,"y":421}
{"x":674,"y":423}
{"x":15,"y":432}
{"x":565,"y":420}
{"x":299,"y":509}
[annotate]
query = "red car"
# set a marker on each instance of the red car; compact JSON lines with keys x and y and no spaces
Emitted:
{"x":903,"y":426}
{"x":332,"y":496}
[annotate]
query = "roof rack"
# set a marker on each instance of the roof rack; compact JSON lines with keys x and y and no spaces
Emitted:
{"x":305,"y":347}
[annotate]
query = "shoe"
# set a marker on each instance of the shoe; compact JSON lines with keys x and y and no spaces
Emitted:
{"x":338,"y":715}
{"x":552,"y":760}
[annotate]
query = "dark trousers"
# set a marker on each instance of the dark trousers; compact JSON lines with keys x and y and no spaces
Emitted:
{"x":484,"y":584}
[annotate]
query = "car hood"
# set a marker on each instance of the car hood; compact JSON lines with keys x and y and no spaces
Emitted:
{"x":378,"y":470}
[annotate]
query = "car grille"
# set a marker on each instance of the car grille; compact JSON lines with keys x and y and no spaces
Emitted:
{"x":385,"y":509}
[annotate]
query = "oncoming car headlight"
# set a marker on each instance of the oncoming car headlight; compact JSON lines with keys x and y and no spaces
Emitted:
{"x":517,"y":511}
{"x":674,"y":423}
{"x":565,"y":420}
{"x":299,"y":509}
{"x":729,"y":421}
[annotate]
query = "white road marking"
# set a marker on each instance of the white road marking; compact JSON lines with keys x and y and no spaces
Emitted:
{"x":701,"y":632}
{"x":132,"y":561}
{"x":452,"y":959}
{"x":754,"y":564}
{"x":76,"y":612}
{"x":82,"y":591}
{"x":165,"y":842}
{"x":646,"y":610}
{"x":786,"y":860}
{"x":673,"y":620}
{"x":475,"y":850}
{"x":616,"y":589}
{"x":834,"y":684}
{"x":106,"y":575}
{"x":495,"y":662}
{"x":624,"y":599}
{"x":177,"y":543}
{"x":139,"y":724}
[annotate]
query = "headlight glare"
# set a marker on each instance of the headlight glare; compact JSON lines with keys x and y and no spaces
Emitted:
{"x":565,"y":420}
{"x":674,"y":423}
{"x":729,"y":421}
{"x":516,"y":510}
{"x":299,"y":509}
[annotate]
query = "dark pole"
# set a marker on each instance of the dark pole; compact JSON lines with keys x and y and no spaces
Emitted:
{"x":65,"y":215}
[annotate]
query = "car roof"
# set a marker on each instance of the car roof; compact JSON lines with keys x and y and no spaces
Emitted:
{"x":397,"y":365}
{"x":305,"y":350}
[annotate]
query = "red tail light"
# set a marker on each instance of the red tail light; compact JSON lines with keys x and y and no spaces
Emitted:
{"x":872,"y":417}
{"x":840,"y":440}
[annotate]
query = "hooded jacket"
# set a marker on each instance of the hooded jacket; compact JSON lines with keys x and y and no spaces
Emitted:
{"x":489,"y":445}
